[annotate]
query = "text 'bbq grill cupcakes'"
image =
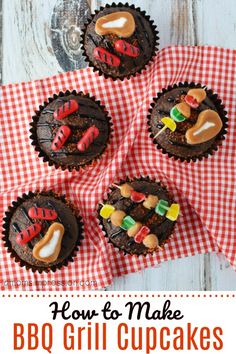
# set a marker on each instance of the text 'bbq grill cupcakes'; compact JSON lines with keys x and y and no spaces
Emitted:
{"x":42,"y":231}
{"x":119,"y":41}
{"x":138,"y":216}
{"x":71,"y":130}
{"x":187,"y":121}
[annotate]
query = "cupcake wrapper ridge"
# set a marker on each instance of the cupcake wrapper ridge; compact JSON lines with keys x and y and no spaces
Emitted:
{"x":100,"y":219}
{"x":34,"y":138}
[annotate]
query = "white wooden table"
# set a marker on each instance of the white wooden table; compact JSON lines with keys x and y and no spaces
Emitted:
{"x":41,"y":38}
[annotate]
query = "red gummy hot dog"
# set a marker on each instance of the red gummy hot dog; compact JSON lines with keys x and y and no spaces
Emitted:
{"x":42,"y":213}
{"x":126,"y":48}
{"x":88,"y":138}
{"x":62,"y":135}
{"x":66,"y":109}
{"x":103,"y":55}
{"x":27,"y":234}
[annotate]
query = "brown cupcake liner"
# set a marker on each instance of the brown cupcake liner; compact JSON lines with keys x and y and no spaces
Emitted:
{"x":34,"y":138}
{"x":220,"y":109}
{"x":155,"y":46}
{"x":100,"y":219}
{"x":6,"y":224}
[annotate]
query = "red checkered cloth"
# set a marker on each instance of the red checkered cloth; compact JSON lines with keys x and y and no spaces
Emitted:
{"x":205,"y":189}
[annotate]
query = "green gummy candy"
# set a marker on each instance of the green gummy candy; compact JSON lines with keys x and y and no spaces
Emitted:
{"x":176,"y":115}
{"x":127,"y":222}
{"x":161,"y":207}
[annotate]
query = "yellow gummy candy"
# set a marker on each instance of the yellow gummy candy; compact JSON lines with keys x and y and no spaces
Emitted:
{"x":173,"y":212}
{"x":169,"y":123}
{"x":106,"y":211}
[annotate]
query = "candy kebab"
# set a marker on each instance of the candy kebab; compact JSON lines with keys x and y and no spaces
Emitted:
{"x":178,"y":113}
{"x":150,"y":202}
{"x":141,"y":233}
{"x":182,"y":111}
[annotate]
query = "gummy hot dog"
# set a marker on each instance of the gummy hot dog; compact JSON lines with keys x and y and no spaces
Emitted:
{"x":89,"y":136}
{"x":126,"y":48}
{"x":28,"y":234}
{"x":42,"y":213}
{"x":104,"y":56}
{"x":66,"y":109}
{"x":62,"y":135}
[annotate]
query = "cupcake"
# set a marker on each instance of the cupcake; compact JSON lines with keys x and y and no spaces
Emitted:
{"x":42,"y":231}
{"x":138,"y":216}
{"x":187,"y":121}
{"x":119,"y":41}
{"x":70,"y":130}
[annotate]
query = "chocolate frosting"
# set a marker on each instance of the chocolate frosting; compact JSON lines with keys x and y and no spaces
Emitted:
{"x":20,"y":221}
{"x":175,"y":142}
{"x":89,"y":113}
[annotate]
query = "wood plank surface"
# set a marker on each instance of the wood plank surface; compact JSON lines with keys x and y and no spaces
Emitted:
{"x":41,"y":38}
{"x":67,"y":19}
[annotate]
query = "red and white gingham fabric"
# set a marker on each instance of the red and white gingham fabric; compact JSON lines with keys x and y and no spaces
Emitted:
{"x":205,"y":189}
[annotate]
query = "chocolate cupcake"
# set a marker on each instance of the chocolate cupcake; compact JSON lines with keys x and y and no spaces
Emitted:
{"x":42,"y":231}
{"x":71,"y":130}
{"x":187,"y":121}
{"x":138,"y":216}
{"x":119,"y":41}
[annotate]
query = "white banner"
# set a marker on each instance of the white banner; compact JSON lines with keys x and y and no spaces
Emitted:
{"x":117,"y":322}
